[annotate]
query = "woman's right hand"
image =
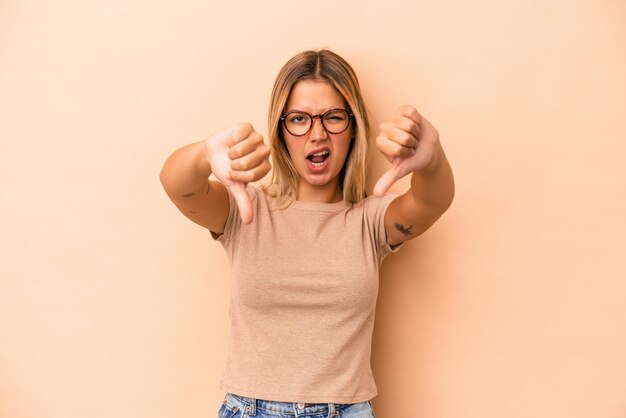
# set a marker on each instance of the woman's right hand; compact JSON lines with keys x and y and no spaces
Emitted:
{"x":237,"y":156}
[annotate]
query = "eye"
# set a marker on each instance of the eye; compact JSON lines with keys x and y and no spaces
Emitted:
{"x":336,"y":116}
{"x":298,"y":118}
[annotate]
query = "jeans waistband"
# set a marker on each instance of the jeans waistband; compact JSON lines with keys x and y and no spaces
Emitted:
{"x":285,"y":408}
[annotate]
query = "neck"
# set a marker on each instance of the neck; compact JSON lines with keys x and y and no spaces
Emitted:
{"x":327,"y":193}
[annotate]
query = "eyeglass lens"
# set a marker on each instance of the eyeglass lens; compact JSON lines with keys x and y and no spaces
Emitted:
{"x":334,"y":121}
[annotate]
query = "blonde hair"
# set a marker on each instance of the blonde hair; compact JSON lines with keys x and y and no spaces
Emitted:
{"x":328,"y":66}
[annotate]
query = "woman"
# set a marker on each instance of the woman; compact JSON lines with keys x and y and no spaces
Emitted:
{"x":305,"y":250}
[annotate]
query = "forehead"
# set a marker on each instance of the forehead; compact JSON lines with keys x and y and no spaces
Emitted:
{"x":314,"y":96}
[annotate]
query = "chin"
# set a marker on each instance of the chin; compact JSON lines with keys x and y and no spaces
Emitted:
{"x":317,"y":180}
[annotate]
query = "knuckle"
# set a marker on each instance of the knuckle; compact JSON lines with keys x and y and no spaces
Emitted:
{"x":403,"y":109}
{"x":409,"y":125}
{"x":246,"y":126}
{"x":407,"y":139}
{"x":398,"y":149}
{"x":409,"y":111}
{"x":234,"y":153}
{"x":238,"y":176}
{"x":235,"y":165}
{"x":242,"y":130}
{"x":255,"y":137}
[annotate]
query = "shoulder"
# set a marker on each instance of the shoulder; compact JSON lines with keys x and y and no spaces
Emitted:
{"x":373,"y":210}
{"x":373,"y":205}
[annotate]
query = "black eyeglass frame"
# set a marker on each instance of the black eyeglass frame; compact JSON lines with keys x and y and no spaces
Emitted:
{"x":319,"y":115}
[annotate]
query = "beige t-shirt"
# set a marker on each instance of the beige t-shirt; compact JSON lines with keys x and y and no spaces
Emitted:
{"x":303,"y":298}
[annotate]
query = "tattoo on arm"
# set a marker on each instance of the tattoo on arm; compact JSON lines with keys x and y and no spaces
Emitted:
{"x":208,"y":187}
{"x":404,"y":230}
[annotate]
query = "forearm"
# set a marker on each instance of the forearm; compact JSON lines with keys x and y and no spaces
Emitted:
{"x":186,"y":171}
{"x":433,"y":185}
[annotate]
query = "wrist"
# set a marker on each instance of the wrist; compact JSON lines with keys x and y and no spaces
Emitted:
{"x":435,"y":162}
{"x":203,"y":157}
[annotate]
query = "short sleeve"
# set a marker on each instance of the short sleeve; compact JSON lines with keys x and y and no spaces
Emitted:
{"x":375,"y":209}
{"x":233,"y":222}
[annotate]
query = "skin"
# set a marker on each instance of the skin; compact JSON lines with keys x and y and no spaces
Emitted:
{"x":317,"y":97}
{"x":411,"y":143}
{"x":237,"y":155}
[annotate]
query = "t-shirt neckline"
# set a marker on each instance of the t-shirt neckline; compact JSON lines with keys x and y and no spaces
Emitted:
{"x":320,"y":206}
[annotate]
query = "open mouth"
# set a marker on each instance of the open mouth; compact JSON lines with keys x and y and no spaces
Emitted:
{"x":318,"y":158}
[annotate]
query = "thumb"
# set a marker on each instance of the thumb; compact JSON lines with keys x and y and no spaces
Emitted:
{"x":386,"y":180}
{"x":243,"y":202}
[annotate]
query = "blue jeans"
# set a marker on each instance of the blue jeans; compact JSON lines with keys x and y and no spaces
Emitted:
{"x":235,"y":406}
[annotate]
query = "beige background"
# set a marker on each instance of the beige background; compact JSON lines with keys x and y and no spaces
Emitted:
{"x":112,"y":304}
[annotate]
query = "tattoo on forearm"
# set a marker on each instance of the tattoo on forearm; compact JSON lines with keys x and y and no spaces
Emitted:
{"x":208,"y":187}
{"x":404,"y":230}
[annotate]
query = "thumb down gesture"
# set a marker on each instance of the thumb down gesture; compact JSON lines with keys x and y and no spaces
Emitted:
{"x":237,"y":156}
{"x":409,"y":142}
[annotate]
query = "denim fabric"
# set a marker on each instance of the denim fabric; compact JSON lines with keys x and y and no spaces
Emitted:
{"x":235,"y":406}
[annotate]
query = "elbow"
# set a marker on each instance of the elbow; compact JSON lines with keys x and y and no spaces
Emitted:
{"x":450,"y":196}
{"x":447,"y":202}
{"x":451,"y":190}
{"x":163,"y":178}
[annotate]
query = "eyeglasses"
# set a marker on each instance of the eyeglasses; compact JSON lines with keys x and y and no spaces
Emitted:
{"x":334,"y":121}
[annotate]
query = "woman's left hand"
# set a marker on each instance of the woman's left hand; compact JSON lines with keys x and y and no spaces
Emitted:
{"x":409,"y":142}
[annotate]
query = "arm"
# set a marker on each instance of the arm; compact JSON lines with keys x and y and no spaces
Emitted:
{"x":236,"y":156}
{"x":412,"y":144}
{"x":185,"y":179}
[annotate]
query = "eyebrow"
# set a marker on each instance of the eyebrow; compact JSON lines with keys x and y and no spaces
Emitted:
{"x":322,"y":112}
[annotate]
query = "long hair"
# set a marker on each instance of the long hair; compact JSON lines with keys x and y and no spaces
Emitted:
{"x":318,"y":65}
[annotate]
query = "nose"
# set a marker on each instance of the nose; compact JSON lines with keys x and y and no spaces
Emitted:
{"x":318,"y":132}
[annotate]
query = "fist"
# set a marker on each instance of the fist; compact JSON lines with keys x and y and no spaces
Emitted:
{"x":237,"y":156}
{"x":408,"y":141}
